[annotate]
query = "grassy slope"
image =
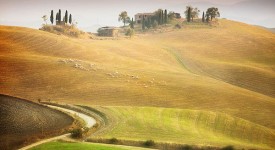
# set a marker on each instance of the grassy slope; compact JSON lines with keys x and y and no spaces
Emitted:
{"x":73,"y":146}
{"x":185,"y":126}
{"x":228,"y":69}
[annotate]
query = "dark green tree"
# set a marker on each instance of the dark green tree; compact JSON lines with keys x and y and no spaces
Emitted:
{"x":159,"y":17}
{"x":70,"y":19}
{"x":56,"y":17}
{"x":162,"y":15}
{"x":171,"y":15}
{"x":148,"y":23}
{"x":143,"y":23}
{"x":132,"y":26}
{"x":66,"y":16}
{"x":51,"y":18}
{"x":203,"y":17}
{"x":189,"y":14}
{"x":213,"y":13}
{"x":123,"y":16}
{"x":59,"y":16}
{"x":165,"y":17}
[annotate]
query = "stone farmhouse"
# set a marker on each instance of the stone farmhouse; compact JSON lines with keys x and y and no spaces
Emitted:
{"x":108,"y":31}
{"x":139,"y":16}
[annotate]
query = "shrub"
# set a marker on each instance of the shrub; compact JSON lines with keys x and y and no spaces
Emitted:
{"x":113,"y":141}
{"x":186,"y":147}
{"x":149,"y":143}
{"x":77,"y":133}
{"x":130,"y":32}
{"x":59,"y":29}
{"x":178,"y":26}
{"x":228,"y":148}
{"x":66,"y":30}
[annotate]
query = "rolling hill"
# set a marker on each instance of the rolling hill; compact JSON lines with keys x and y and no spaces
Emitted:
{"x":227,"y":69}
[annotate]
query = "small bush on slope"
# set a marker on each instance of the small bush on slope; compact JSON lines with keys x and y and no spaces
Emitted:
{"x":65,"y":30}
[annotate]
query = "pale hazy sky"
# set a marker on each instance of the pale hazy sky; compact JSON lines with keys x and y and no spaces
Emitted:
{"x":90,"y":13}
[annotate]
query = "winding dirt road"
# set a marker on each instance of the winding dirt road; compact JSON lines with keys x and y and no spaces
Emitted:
{"x":90,"y":122}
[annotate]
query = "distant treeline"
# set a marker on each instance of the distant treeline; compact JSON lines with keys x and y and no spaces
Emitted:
{"x":211,"y":13}
{"x":161,"y":17}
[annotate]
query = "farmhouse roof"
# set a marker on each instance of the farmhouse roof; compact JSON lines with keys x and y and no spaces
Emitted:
{"x":145,"y":13}
{"x":109,"y":27}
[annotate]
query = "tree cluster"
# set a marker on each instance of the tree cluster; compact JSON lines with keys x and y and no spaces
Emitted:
{"x":123,"y":16}
{"x":191,"y":13}
{"x":58,"y":17}
{"x":160,"y":17}
{"x":212,"y":13}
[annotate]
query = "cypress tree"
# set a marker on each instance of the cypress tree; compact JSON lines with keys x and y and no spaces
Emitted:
{"x":165,"y":17}
{"x":66,"y":16}
{"x":143,"y":23}
{"x":51,"y":17}
{"x":70,"y":19}
{"x":132,"y":24}
{"x":203,"y":17}
{"x":56,"y":17}
{"x":162,"y":17}
{"x":59,"y":17}
{"x":159,"y":17}
{"x":148,"y":23}
{"x":189,"y":14}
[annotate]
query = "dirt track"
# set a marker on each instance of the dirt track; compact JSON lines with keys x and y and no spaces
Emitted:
{"x":23,"y":121}
{"x":90,"y":122}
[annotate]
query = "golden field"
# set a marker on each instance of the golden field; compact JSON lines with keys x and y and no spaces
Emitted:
{"x":228,"y":69}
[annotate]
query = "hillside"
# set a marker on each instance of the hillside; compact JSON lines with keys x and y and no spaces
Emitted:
{"x":23,"y":121}
{"x":227,"y":69}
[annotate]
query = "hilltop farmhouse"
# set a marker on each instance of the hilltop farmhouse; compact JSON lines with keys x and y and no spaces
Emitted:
{"x":139,"y":16}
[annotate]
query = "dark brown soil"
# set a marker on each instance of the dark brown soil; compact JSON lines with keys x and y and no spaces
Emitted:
{"x":22,"y":122}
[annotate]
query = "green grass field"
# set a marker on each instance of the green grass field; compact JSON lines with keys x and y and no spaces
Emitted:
{"x":225,"y":71}
{"x":75,"y":146}
{"x":185,"y":126}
